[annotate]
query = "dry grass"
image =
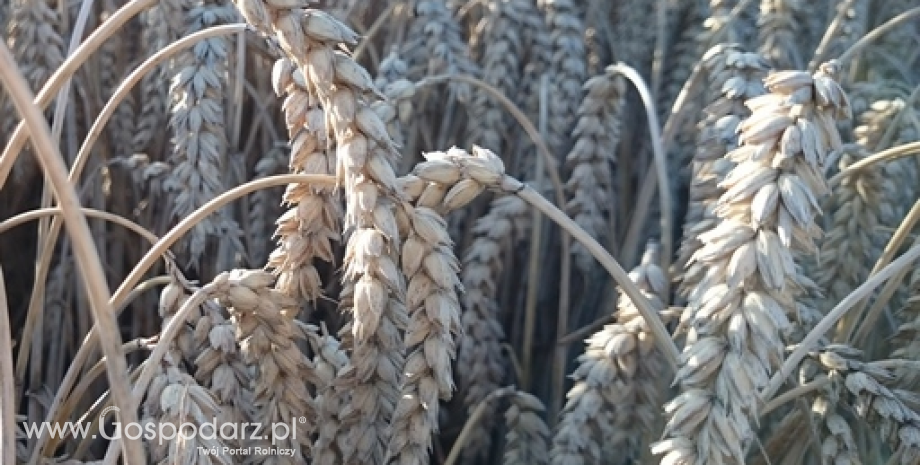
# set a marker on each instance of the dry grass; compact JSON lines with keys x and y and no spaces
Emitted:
{"x":339,"y":211}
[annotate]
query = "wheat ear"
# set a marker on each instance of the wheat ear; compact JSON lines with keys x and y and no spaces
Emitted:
{"x":266,"y":333}
{"x":592,"y":159}
{"x":197,"y":120}
{"x":527,"y":436}
{"x":33,"y":34}
{"x":778,"y":33}
{"x":374,"y":291}
{"x":615,"y":383}
{"x":738,"y":77}
{"x":739,"y":310}
{"x":434,"y":308}
{"x":567,"y":70}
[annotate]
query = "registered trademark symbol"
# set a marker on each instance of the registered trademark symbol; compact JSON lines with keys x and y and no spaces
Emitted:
{"x":302,"y":420}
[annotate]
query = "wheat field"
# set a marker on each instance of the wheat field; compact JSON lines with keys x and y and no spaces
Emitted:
{"x":676,"y":232}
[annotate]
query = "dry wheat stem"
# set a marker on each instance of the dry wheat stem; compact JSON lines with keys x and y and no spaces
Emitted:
{"x":7,"y":384}
{"x":36,"y":214}
{"x":57,"y":80}
{"x":661,"y":170}
{"x":904,"y":150}
{"x":661,"y":334}
{"x":156,"y":251}
{"x":829,"y":34}
{"x":855,"y":334}
{"x":63,"y":97}
{"x":87,"y":256}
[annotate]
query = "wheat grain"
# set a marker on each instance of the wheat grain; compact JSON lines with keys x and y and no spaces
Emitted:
{"x":592,"y":160}
{"x":615,"y":383}
{"x":739,"y":310}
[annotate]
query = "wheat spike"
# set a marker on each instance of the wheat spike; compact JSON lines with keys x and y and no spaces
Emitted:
{"x":615,"y":383}
{"x":779,"y":31}
{"x":197,"y":119}
{"x":175,"y":397}
{"x":738,"y":77}
{"x":330,"y":360}
{"x":528,"y":435}
{"x":481,"y":346}
{"x":308,"y":230}
{"x":850,"y":245}
{"x":434,"y":308}
{"x":33,"y":34}
{"x":502,"y":51}
{"x":738,"y":311}
{"x":567,"y":70}
{"x":434,"y":321}
{"x":266,"y":333}
{"x":593,"y":158}
{"x":374,"y":291}
{"x":436,"y":45}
